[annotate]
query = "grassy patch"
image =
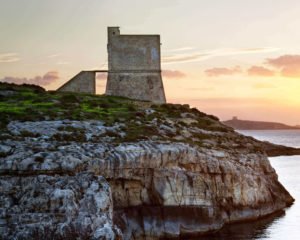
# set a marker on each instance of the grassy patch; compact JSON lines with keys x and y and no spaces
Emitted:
{"x":142,"y":120}
{"x":32,"y":104}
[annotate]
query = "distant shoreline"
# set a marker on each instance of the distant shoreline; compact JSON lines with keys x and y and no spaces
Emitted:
{"x":257,"y":125}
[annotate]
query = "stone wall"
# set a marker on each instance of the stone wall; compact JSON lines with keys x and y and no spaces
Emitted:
{"x":139,"y":85}
{"x":134,"y":69}
{"x":83,"y":82}
{"x":133,"y":52}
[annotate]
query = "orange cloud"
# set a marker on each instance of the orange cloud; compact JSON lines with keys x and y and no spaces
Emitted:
{"x":284,"y":61}
{"x":260,"y":71}
{"x":216,"y":72}
{"x":289,"y":65}
{"x":45,"y":80}
{"x":173,"y":74}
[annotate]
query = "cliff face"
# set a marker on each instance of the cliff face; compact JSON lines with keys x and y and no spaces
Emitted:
{"x":42,"y":206}
{"x":47,"y":194}
{"x":172,"y":190}
{"x":159,"y":188}
{"x":161,"y":171}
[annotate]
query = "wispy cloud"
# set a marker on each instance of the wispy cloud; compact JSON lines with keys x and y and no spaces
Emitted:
{"x":182,"y":58}
{"x":260,"y":71}
{"x":53,"y":55}
{"x":44,"y":80}
{"x":194,"y":56}
{"x":180,"y":49}
{"x":9,"y":57}
{"x":173,"y":74}
{"x":216,"y":72}
{"x":252,"y":50}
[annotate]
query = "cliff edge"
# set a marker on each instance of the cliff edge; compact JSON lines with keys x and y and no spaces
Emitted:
{"x":99,"y":167}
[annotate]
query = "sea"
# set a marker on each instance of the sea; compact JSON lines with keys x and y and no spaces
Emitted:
{"x":283,"y":225}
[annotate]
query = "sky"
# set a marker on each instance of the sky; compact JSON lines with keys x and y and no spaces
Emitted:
{"x":225,"y":57}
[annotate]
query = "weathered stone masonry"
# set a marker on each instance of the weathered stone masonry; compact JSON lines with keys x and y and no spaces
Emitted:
{"x":83,"y":82}
{"x":134,"y":69}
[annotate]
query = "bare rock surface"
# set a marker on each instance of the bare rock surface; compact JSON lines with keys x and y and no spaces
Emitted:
{"x":61,"y":206}
{"x":156,"y":188}
{"x":46,"y":190}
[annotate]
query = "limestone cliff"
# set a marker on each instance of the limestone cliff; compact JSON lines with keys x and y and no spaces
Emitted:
{"x":146,"y":172}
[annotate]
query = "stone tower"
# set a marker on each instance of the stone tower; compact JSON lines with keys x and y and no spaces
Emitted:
{"x":134,"y":67}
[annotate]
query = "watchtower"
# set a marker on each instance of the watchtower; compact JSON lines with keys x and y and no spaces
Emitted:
{"x":134,"y":69}
{"x":134,"y":66}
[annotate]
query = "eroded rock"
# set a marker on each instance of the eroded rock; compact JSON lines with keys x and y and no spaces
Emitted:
{"x":153,"y":188}
{"x":62,"y":206}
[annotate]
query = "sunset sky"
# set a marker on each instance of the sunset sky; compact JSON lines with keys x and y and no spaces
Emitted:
{"x":226,"y":57}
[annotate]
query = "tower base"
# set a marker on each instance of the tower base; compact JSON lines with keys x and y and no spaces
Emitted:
{"x":140,"y":86}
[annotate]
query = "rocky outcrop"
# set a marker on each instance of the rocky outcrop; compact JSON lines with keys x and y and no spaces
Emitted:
{"x":173,"y":190}
{"x":274,"y":150}
{"x":53,"y":180}
{"x":56,"y":207}
{"x":47,"y":192}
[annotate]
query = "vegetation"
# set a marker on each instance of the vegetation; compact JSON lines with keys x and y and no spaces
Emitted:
{"x":139,"y":120}
{"x":32,"y":103}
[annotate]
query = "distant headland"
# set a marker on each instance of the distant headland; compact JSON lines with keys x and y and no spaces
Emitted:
{"x":257,"y":125}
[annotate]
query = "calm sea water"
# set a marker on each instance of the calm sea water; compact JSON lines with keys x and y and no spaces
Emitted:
{"x":284,"y":225}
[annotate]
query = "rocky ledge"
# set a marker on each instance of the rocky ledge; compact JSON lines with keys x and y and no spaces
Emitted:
{"x":158,"y":171}
{"x":274,"y":150}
